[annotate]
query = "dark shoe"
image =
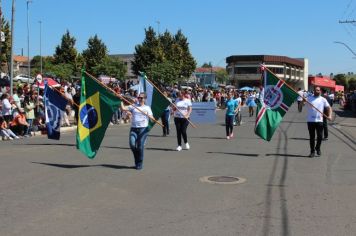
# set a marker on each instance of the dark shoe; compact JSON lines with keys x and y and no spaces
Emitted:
{"x":312,"y":154}
{"x":139,"y":166}
{"x":318,"y":153}
{"x":325,"y":138}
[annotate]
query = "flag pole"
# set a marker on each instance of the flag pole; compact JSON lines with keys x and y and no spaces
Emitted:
{"x":121,"y":97}
{"x":191,"y":123}
{"x":297,"y":93}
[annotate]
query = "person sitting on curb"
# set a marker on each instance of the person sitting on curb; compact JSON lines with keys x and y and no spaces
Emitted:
{"x":5,"y":132}
{"x":19,"y":123}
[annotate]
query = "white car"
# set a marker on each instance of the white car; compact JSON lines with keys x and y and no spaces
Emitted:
{"x":24,"y":79}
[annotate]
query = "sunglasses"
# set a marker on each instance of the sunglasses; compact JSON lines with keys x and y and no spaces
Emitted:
{"x":140,"y":97}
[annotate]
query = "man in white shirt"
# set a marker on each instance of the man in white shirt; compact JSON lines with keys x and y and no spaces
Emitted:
{"x":316,"y":105}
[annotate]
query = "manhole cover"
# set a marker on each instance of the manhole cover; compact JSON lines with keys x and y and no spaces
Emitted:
{"x":222,"y":180}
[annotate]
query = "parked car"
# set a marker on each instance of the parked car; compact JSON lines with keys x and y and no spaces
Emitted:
{"x":24,"y":79}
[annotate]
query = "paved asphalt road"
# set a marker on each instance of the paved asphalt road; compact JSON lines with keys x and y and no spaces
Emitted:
{"x":49,"y":188}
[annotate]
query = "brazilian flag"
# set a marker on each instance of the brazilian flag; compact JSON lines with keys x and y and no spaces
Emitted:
{"x":97,"y":106}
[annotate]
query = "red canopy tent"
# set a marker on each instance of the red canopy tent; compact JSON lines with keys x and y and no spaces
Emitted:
{"x":339,"y":88}
{"x":51,"y":83}
{"x":322,"y":81}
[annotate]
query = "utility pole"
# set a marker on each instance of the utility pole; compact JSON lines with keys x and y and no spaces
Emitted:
{"x":28,"y":42}
{"x":41,"y":44}
{"x":12,"y":47}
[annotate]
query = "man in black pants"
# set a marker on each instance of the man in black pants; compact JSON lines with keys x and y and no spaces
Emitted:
{"x":316,"y":106}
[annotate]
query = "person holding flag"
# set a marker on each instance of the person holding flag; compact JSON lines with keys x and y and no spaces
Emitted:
{"x":139,"y":128}
{"x":316,"y":105}
{"x":182,"y":110}
{"x":232,"y":107}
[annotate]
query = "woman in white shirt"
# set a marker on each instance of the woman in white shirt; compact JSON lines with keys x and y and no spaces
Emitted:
{"x":181,"y":115}
{"x":139,"y":128}
{"x":6,"y":107}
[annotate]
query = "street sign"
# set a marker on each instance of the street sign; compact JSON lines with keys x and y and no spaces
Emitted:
{"x":39,"y":78}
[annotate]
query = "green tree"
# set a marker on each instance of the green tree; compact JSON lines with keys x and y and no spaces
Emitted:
{"x":147,"y":53}
{"x":66,"y":52}
{"x":189,"y":64}
{"x":95,"y":54}
{"x":164,"y":73}
{"x":79,"y":64}
{"x":157,"y":53}
{"x":5,"y":46}
{"x":207,"y":65}
{"x":61,"y":71}
{"x":352,"y":84}
{"x":113,"y":67}
{"x":222,"y":76}
{"x":341,"y":79}
{"x":47,"y":62}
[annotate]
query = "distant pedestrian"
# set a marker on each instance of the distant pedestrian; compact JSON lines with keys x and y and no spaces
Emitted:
{"x":231,"y":109}
{"x":315,"y":120}
{"x":165,"y":117}
{"x":250,"y":102}
{"x":300,"y":99}
{"x":181,"y":115}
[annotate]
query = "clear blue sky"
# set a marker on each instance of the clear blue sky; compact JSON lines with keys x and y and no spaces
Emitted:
{"x":215,"y":29}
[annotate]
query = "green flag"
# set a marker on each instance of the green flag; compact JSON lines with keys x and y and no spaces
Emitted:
{"x":155,"y":99}
{"x":95,"y":111}
{"x":276,"y":98}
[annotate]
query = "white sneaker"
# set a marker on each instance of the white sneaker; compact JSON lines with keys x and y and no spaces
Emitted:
{"x":227,"y":137}
{"x":17,"y":137}
{"x":187,"y":146}
{"x":11,"y":138}
{"x":179,"y":148}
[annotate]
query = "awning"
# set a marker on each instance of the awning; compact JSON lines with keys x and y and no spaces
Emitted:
{"x":322,"y":82}
{"x":51,"y":83}
{"x":339,"y":88}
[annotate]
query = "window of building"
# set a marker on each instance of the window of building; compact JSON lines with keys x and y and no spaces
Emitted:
{"x":246,"y":70}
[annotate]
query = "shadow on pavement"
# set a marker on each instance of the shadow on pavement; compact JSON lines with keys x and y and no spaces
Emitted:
{"x":162,"y":149}
{"x":209,"y":137}
{"x":343,"y":113}
{"x":236,"y":154}
{"x":48,"y":144}
{"x":69,"y":166}
{"x":285,"y":155}
{"x":300,"y":139}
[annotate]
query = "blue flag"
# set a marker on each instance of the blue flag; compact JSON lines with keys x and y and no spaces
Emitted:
{"x":55,"y":105}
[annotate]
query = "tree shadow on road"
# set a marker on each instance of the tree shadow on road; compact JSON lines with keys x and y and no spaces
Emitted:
{"x":71,"y":166}
{"x":236,"y":154}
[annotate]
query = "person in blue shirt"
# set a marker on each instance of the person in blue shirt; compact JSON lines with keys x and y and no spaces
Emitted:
{"x":232,"y":107}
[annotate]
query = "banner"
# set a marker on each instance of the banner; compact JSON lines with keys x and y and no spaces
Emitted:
{"x":203,"y":113}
